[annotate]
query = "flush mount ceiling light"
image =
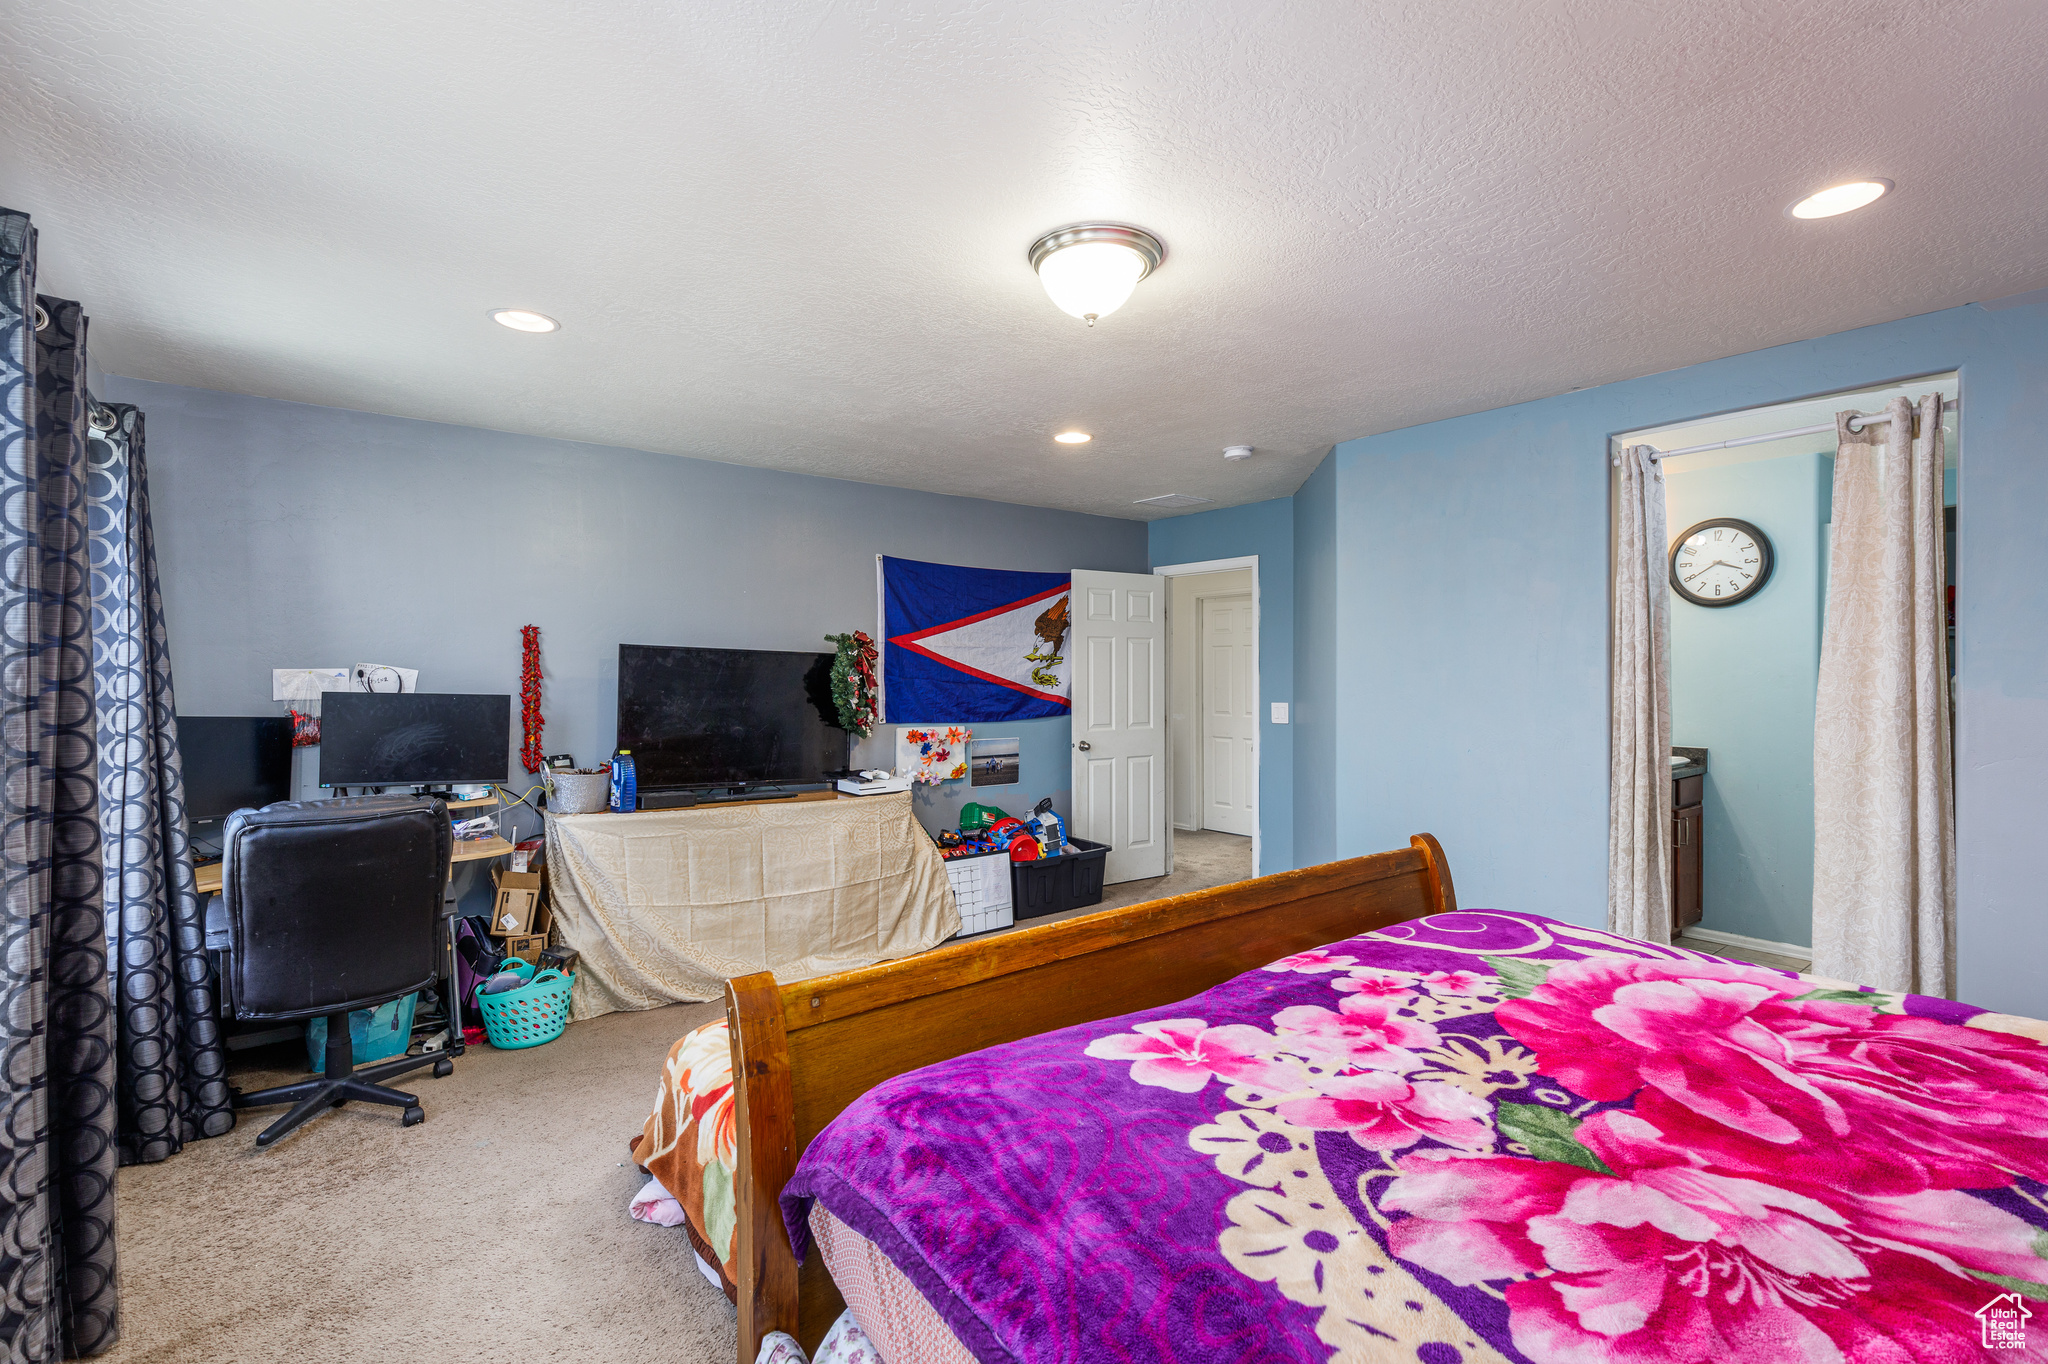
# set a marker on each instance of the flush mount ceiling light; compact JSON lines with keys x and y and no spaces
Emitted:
{"x":1073,"y":438}
{"x":524,"y":320}
{"x":1840,"y":199}
{"x":1088,"y":270}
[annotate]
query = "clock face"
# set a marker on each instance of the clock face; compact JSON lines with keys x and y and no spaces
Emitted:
{"x":1720,"y":562}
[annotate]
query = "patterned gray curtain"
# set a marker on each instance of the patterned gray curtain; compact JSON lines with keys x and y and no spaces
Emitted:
{"x":173,"y":1084}
{"x":57,"y":1157}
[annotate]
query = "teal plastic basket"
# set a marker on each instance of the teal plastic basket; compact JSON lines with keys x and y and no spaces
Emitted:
{"x":534,"y":1013}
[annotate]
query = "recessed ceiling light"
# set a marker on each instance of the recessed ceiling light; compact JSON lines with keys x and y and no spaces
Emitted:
{"x":524,"y":320}
{"x":1073,"y":438}
{"x":1090,"y":269}
{"x":1840,"y":199}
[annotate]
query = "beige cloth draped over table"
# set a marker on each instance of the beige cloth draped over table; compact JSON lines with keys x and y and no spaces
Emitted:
{"x":667,"y":905}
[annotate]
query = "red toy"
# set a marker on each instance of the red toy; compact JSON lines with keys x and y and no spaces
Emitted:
{"x":1022,"y":842}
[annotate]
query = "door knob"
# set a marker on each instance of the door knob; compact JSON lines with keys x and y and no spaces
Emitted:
{"x":1084,"y":746}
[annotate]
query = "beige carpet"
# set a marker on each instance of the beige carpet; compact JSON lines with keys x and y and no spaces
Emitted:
{"x":1201,"y":859}
{"x":496,"y":1231}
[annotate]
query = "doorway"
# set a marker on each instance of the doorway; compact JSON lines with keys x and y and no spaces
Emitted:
{"x":1212,"y":640}
{"x":1226,"y":719}
{"x":1744,"y":669}
{"x":1139,"y":784}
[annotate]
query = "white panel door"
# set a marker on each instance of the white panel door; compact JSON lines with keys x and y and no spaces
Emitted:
{"x":1230,"y":722}
{"x":1119,"y":700}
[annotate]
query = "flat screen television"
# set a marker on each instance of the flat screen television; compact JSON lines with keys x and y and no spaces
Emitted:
{"x":727,"y":717}
{"x":413,"y":738}
{"x":233,"y":762}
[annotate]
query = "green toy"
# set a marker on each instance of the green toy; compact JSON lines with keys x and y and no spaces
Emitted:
{"x":975,"y":817}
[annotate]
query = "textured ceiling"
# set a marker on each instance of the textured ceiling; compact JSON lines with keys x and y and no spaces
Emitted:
{"x":793,"y":235}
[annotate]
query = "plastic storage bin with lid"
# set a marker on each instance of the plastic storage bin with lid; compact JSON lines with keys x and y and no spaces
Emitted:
{"x":1073,"y":880}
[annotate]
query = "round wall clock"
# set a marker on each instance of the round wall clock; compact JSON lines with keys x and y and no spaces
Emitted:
{"x":1720,"y":562}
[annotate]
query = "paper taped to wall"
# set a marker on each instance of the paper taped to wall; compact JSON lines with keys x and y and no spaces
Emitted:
{"x":932,"y":755}
{"x":383,"y":677}
{"x":303,"y":686}
{"x":306,"y":684}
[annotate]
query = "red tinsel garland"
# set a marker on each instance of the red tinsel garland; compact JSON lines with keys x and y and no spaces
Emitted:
{"x":864,"y":672}
{"x":529,"y":697}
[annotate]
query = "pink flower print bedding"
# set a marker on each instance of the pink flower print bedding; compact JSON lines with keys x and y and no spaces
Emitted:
{"x":1478,"y":1136}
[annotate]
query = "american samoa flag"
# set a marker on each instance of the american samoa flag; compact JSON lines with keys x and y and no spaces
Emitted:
{"x":971,"y":645}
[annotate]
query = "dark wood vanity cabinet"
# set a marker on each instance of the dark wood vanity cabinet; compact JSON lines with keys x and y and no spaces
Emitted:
{"x":1686,"y":866}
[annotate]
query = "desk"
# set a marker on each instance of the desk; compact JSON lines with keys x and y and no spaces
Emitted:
{"x":207,"y":876}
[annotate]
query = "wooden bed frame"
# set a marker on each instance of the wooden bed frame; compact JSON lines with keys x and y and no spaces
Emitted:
{"x":801,"y":1053}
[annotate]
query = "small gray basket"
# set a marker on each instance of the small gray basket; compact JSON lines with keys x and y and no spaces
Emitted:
{"x":579,"y":793}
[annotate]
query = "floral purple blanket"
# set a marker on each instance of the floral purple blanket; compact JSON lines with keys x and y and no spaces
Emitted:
{"x":1472,"y":1137}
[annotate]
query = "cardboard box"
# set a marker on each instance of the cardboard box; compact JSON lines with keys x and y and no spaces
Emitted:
{"x":526,"y":946}
{"x":517,"y":903}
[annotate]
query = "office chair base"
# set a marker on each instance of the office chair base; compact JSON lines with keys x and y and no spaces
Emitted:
{"x":342,"y":1082}
{"x":323,"y":1095}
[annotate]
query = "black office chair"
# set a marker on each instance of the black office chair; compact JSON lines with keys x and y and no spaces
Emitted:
{"x":332,"y":906}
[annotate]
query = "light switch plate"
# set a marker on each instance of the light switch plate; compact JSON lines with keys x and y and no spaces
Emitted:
{"x":1279,"y":712}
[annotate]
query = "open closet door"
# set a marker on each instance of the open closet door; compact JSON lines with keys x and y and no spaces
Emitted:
{"x":1118,"y":663}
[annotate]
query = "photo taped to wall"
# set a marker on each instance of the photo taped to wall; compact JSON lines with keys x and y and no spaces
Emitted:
{"x":993,"y":762}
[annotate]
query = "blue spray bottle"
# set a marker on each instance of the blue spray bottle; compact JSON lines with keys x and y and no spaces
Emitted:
{"x":625,"y":790}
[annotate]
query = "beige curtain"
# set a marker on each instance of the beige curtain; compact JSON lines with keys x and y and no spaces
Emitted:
{"x":1639,"y":747}
{"x":1884,"y":857}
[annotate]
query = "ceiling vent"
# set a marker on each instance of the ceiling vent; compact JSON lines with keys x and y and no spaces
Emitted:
{"x":1173,"y":500}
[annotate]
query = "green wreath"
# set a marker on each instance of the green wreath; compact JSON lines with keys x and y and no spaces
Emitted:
{"x":853,"y":683}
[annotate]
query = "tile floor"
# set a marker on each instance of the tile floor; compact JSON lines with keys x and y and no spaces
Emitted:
{"x":1770,"y":959}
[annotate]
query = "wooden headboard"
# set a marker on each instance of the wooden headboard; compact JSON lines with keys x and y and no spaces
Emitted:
{"x":801,"y":1053}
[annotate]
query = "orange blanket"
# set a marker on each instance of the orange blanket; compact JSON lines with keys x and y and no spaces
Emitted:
{"x":690,"y":1146}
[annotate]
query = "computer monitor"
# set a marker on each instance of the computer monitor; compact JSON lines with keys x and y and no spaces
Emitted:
{"x":233,"y":762}
{"x":413,"y":738}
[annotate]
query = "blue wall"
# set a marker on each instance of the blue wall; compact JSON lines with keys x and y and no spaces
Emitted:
{"x":297,"y":536}
{"x":1742,"y":686}
{"x":1468,"y":603}
{"x":1471,"y":654}
{"x":1045,"y":767}
{"x":1316,"y":688}
{"x":1265,"y":529}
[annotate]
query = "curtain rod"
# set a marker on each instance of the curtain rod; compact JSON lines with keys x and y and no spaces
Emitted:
{"x":97,"y":413}
{"x":1855,"y":424}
